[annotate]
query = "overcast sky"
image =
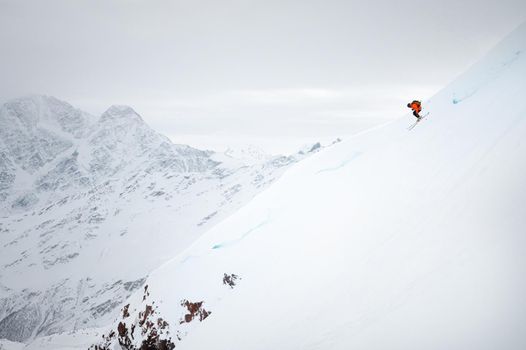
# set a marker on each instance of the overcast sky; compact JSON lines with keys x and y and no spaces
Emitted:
{"x":203,"y":69}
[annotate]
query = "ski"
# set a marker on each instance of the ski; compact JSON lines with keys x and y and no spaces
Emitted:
{"x":418,"y":121}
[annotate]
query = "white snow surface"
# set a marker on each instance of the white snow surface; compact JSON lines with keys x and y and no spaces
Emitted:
{"x":89,"y":206}
{"x":393,"y":239}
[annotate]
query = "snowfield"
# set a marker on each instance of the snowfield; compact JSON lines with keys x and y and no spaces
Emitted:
{"x":393,"y":239}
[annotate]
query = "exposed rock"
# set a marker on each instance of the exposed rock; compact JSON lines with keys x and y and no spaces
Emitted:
{"x":194,"y":310}
{"x":230,"y":280}
{"x":153,"y":331}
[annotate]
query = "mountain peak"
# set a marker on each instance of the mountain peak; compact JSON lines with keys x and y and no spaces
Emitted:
{"x":44,"y":111}
{"x":36,"y":106}
{"x":120,"y":112}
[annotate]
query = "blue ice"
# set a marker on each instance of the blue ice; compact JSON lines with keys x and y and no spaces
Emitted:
{"x":243,"y":236}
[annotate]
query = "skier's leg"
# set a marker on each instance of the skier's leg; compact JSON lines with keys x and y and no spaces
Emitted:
{"x":415,"y":113}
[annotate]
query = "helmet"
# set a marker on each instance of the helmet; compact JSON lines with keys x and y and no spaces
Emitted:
{"x":409,"y":105}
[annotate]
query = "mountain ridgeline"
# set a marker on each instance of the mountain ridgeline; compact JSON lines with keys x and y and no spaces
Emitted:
{"x":89,"y":206}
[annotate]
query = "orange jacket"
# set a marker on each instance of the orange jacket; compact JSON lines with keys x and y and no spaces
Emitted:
{"x":415,"y":106}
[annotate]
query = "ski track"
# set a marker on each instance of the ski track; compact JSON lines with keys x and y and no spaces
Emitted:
{"x":342,"y":164}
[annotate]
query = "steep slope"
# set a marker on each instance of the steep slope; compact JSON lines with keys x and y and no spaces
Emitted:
{"x":90,"y":206}
{"x":394,"y":239}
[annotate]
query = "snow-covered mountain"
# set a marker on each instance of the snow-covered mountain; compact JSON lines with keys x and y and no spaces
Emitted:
{"x":89,"y":206}
{"x":393,"y":239}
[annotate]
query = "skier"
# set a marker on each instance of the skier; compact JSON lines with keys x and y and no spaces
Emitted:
{"x":416,"y":106}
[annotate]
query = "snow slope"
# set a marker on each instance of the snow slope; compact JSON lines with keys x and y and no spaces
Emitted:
{"x":89,"y":206}
{"x":393,"y":239}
